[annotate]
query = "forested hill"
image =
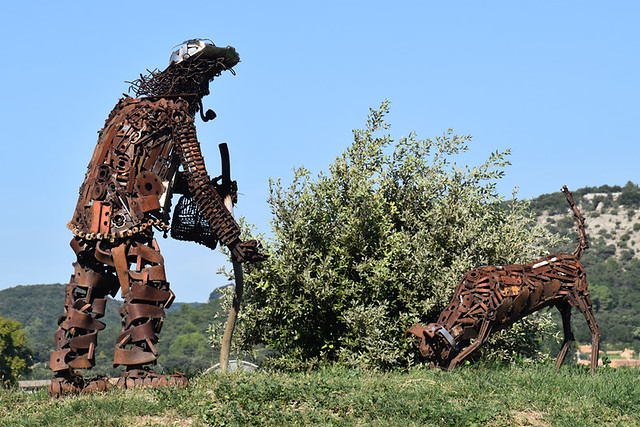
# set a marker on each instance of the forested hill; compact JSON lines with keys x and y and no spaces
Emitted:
{"x":613,"y":260}
{"x":183,"y":342}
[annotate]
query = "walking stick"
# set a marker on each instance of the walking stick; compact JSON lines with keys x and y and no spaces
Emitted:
{"x":237,"y":267}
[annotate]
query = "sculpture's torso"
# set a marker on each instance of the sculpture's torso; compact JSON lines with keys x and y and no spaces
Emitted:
{"x":130,"y":173}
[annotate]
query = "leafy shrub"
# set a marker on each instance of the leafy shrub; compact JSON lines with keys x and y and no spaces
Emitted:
{"x":379,"y":242}
{"x":15,"y":357}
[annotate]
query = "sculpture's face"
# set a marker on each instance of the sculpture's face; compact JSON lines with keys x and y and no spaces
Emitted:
{"x":436,"y":349}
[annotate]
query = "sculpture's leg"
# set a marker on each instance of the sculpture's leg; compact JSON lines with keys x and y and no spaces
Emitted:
{"x":485,"y":331}
{"x":581,"y":299}
{"x":565,"y":311}
{"x":146,"y":295}
{"x":76,"y":338}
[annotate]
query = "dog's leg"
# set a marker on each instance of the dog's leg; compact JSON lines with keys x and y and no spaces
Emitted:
{"x":583,"y":302}
{"x":485,"y":331}
{"x":565,"y":312}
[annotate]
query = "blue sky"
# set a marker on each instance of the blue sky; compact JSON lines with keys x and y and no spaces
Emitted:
{"x":557,"y":82}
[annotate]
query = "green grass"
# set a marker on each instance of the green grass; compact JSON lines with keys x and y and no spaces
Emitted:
{"x":471,"y":395}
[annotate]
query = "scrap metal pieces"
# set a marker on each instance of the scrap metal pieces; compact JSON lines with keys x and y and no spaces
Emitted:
{"x":205,"y":196}
{"x":143,"y":377}
{"x":491,"y":298}
{"x":145,"y":299}
{"x":73,"y":383}
{"x":137,"y":268}
{"x":129,"y":181}
{"x":76,"y":338}
{"x":129,"y":173}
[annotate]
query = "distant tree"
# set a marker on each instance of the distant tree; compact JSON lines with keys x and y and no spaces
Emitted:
{"x":378,"y":243}
{"x":184,"y":344}
{"x":601,"y":296}
{"x":15,"y":357}
{"x":216,"y":294}
{"x":630,"y":195}
{"x":193,"y":344}
{"x":553,"y":204}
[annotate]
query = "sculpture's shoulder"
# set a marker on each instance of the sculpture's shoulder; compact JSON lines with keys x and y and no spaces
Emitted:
{"x":147,"y":114}
{"x":118,"y":113}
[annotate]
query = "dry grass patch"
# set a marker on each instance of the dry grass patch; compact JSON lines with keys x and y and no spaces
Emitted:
{"x":165,"y":420}
{"x":529,"y":417}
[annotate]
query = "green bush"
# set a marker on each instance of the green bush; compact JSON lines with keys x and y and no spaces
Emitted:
{"x":379,"y":242}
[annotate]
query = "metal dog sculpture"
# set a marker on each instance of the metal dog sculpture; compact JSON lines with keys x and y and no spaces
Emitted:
{"x":491,"y":298}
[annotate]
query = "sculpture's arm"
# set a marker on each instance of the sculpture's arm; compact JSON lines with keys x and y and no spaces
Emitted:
{"x":201,"y":188}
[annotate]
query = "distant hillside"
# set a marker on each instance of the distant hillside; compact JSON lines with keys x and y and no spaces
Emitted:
{"x":612,"y":262}
{"x":183,"y":341}
{"x":38,"y":307}
{"x":612,"y":217}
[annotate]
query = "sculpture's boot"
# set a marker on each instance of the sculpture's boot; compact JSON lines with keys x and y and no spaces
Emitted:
{"x":70,"y":382}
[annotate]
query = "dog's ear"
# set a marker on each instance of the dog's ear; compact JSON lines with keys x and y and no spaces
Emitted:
{"x":430,"y":330}
{"x":417,"y":330}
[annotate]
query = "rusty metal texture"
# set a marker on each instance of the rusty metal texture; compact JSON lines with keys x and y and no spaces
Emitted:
{"x":491,"y":298}
{"x":146,"y":152}
{"x":143,"y":377}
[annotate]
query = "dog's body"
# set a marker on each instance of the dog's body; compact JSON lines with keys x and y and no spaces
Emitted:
{"x":491,"y":298}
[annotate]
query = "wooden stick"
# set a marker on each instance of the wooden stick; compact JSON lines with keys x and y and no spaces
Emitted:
{"x":238,"y":274}
{"x":233,"y":313}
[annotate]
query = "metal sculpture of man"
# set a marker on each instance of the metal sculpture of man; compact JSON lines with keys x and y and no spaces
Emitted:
{"x":146,"y":151}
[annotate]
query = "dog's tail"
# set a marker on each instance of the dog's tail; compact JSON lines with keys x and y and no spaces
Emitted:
{"x":582,"y":235}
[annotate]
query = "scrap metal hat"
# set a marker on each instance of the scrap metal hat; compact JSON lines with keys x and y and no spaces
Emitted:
{"x":203,"y":48}
{"x":192,"y":66}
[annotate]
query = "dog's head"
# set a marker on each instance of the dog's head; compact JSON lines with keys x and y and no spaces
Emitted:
{"x":434,"y":342}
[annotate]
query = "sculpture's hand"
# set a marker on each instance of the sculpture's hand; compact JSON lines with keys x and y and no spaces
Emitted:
{"x":248,"y":251}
